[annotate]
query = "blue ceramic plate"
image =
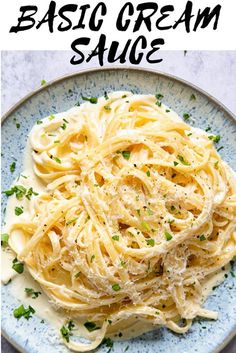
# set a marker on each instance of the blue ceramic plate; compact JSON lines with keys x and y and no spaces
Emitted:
{"x":204,"y":336}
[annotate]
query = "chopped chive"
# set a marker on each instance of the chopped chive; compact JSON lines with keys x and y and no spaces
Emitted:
{"x":148,"y":173}
{"x":51,"y":117}
{"x":12,"y":167}
{"x":122,"y":263}
{"x":91,"y":326}
{"x":126,"y":154}
{"x":168,"y":236}
{"x":17,"y":125}
{"x":4,"y":240}
{"x":18,"y":266}
{"x":145,"y":226}
{"x":208,"y":129}
{"x":202,"y":237}
{"x":170,"y":221}
{"x":150,"y":242}
{"x":116,"y":287}
{"x":92,"y":258}
{"x":56,"y":159}
{"x":159,"y":96}
{"x":92,"y":100}
{"x":186,"y":116}
{"x":63,"y":126}
{"x":167,"y":110}
{"x":32,"y":293}
{"x":138,"y":212}
{"x":220,"y":148}
{"x":108,"y":342}
{"x":106,"y":96}
{"x":38,"y":122}
{"x":116,"y":237}
{"x":77,"y":274}
{"x":21,"y":311}
{"x":56,"y":141}
{"x":215,"y":138}
{"x":175,"y":163}
{"x":192,"y":97}
{"x":18,"y":211}
{"x":182,"y":160}
{"x":43,"y":82}
{"x":107,"y":107}
{"x":29,"y":193}
{"x":71,"y":221}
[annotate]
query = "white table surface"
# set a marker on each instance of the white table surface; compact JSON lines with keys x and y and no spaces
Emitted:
{"x":215,"y":72}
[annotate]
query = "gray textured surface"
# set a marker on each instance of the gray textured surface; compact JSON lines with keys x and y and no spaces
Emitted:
{"x":212,"y":71}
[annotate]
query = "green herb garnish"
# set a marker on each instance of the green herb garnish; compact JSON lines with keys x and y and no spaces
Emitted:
{"x":168,"y":236}
{"x":51,"y":117}
{"x":43,"y":82}
{"x":159,"y":96}
{"x":182,"y":160}
{"x":30,"y":192}
{"x":214,"y":138}
{"x":145,"y":226}
{"x":192,"y":97}
{"x":56,"y":159}
{"x":91,"y":326}
{"x":92,"y":100}
{"x":108,"y":342}
{"x":126,"y":154}
{"x":116,"y":287}
{"x":18,"y":190}
{"x":150,"y":242}
{"x":202,"y":237}
{"x":63,"y":126}
{"x":148,"y":173}
{"x":21,"y":311}
{"x":186,"y":116}
{"x":32,"y":293}
{"x":66,"y":330}
{"x":116,"y":237}
{"x":106,"y":96}
{"x":18,"y":211}
{"x":71,"y":221}
{"x":17,"y":266}
{"x":77,"y":274}
{"x":4,"y":240}
{"x":107,"y":107}
{"x":38,"y":122}
{"x":175,"y":163}
{"x":12,"y":167}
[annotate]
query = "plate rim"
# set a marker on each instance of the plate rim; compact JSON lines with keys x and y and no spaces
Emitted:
{"x":116,"y":67}
{"x":59,"y":79}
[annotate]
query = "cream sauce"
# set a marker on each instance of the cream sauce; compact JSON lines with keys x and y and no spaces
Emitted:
{"x":44,"y":308}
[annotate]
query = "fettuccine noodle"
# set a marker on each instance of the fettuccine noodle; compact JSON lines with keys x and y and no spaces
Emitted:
{"x":137,"y":216}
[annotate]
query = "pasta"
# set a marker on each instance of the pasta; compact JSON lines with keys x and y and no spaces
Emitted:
{"x":136,"y":217}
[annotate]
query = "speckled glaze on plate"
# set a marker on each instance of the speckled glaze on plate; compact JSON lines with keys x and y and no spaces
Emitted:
{"x":205,"y":336}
